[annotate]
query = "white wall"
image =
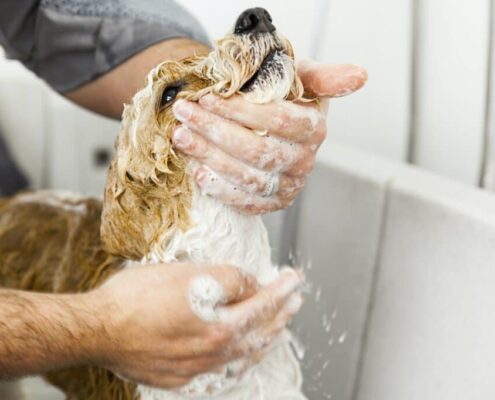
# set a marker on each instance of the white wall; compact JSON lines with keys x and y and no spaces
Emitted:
{"x":53,"y":141}
{"x":451,"y":87}
{"x":376,"y":34}
{"x":293,"y":18}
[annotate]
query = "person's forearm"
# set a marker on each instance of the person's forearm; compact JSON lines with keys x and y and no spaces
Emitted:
{"x":40,"y":332}
{"x":107,"y":94}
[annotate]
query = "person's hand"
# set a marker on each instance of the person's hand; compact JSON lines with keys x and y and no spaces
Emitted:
{"x":257,"y":157}
{"x":153,"y":333}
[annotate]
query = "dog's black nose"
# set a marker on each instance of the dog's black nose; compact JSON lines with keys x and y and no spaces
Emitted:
{"x":254,"y":20}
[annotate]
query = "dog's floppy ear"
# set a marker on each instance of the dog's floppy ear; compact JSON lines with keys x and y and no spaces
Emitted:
{"x":147,"y":195}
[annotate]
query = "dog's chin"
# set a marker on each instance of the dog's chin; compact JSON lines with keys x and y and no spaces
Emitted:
{"x":273,"y":79}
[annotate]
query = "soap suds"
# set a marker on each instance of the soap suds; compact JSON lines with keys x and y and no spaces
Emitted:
{"x":205,"y":293}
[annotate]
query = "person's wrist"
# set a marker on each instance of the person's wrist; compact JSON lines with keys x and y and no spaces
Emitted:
{"x":96,"y":321}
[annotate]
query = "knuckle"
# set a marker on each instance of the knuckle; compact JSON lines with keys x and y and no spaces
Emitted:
{"x":202,"y":119}
{"x":197,"y":114}
{"x":220,"y":335}
{"x":280,"y":120}
{"x":258,"y":183}
{"x":268,"y":304}
{"x":260,"y":155}
{"x":313,"y":120}
{"x":304,"y":165}
{"x":191,"y":147}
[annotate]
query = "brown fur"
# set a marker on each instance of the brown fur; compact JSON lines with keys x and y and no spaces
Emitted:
{"x":52,"y":245}
{"x":148,"y":191}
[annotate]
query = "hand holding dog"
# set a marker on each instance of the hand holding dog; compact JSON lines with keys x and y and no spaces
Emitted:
{"x":153,"y":337}
{"x":238,"y":167}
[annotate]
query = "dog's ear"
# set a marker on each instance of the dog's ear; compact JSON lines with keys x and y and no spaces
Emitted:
{"x":148,"y":195}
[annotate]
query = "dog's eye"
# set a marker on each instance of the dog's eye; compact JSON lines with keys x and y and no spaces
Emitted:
{"x":169,"y":95}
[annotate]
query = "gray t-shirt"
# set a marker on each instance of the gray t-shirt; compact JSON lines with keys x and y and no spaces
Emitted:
{"x":71,"y":42}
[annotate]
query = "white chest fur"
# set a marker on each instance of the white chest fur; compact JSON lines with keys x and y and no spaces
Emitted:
{"x":222,"y":235}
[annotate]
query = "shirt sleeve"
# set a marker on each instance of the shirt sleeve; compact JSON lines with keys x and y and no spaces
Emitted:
{"x":71,"y":42}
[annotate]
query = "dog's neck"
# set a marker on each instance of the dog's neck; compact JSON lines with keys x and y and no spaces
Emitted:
{"x":150,"y":198}
{"x":219,"y":235}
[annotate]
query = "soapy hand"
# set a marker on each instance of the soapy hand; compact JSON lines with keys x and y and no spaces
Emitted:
{"x":256,"y":157}
{"x":157,"y":333}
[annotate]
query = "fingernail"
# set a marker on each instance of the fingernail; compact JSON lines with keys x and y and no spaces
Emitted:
{"x":294,"y":303}
{"x":209,"y":100}
{"x":355,"y":78}
{"x":360,"y":74}
{"x":182,"y":137}
{"x":200,"y":175}
{"x":291,"y":281}
{"x":182,"y":110}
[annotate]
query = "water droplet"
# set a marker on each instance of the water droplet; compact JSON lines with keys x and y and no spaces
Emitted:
{"x":318,"y":295}
{"x":324,"y":320}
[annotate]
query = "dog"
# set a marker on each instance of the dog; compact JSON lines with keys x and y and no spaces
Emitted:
{"x":153,"y":212}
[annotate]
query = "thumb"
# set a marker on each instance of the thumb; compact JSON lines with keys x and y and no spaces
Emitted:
{"x":237,"y":285}
{"x":331,"y":80}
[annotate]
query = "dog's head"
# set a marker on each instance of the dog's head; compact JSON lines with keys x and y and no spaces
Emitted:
{"x":148,"y":192}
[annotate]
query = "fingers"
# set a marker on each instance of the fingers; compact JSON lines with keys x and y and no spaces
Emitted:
{"x":241,"y":175}
{"x":153,"y":377}
{"x":212,"y":184}
{"x":265,"y":153}
{"x":294,"y":122}
{"x":264,"y":305}
{"x":326,"y":80}
{"x":265,"y":337}
{"x":244,"y":178}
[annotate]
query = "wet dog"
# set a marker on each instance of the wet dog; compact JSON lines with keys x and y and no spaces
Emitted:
{"x":153,"y":212}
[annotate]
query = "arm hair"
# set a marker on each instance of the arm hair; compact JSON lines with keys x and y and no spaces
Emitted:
{"x":41,"y":332}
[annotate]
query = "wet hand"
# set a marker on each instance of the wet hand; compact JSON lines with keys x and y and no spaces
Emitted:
{"x":256,"y":157}
{"x":154,"y":335}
